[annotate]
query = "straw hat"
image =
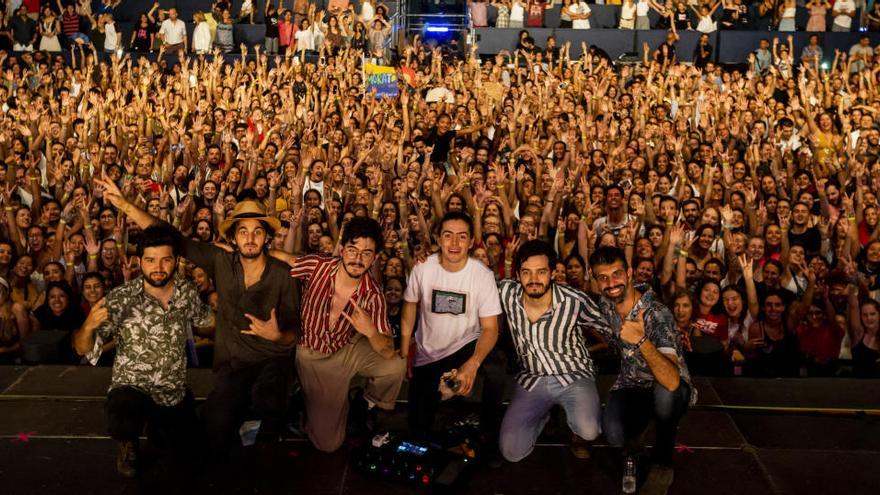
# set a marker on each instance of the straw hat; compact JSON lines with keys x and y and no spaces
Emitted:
{"x":248,"y":210}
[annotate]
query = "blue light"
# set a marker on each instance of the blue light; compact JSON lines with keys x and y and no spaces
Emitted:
{"x":436,"y":29}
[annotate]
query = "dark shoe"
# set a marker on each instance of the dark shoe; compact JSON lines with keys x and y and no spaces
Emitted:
{"x":659,"y":480}
{"x":126,"y":461}
{"x":580,"y":448}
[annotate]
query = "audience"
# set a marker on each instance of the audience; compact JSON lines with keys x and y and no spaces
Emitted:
{"x":746,"y":197}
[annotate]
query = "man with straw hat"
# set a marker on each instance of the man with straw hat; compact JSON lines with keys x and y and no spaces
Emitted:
{"x":257,"y":320}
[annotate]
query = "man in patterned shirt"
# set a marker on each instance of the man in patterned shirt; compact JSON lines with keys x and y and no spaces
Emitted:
{"x":653,"y":383}
{"x":150,"y":318}
{"x":548,"y":324}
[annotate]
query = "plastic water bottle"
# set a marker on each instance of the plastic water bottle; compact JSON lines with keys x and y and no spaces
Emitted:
{"x":629,"y":475}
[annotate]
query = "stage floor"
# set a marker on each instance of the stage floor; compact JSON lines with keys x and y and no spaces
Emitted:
{"x":745,"y":437}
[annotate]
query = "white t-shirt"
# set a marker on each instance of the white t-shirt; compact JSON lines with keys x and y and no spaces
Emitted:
{"x":517,"y":11}
{"x":173,"y":32}
{"x":202,"y":38}
{"x":111,"y":38}
{"x":305,"y":38}
{"x":367,"y":12}
{"x":844,"y":6}
{"x":580,"y":8}
{"x":450,"y":306}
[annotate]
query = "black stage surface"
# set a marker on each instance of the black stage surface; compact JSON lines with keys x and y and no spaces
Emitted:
{"x":746,"y":436}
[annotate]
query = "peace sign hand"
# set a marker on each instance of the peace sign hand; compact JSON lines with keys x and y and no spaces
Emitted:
{"x":361,"y":320}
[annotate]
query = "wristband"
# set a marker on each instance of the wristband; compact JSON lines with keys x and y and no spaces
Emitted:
{"x":93,"y":256}
{"x":69,"y":263}
{"x":61,"y":221}
{"x":636,"y":347}
{"x":669,"y":223}
{"x":403,"y":244}
{"x":683,"y":252}
{"x":851,"y":219}
{"x":783,"y":230}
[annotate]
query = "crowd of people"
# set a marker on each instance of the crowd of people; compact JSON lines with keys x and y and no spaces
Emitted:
{"x":703,"y":16}
{"x":678,"y":218}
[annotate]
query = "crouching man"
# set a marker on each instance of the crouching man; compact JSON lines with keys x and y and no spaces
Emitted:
{"x":150,"y":319}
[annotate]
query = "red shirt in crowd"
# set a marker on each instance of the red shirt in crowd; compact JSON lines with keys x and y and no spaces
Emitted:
{"x":820,"y":343}
{"x":712,"y":326}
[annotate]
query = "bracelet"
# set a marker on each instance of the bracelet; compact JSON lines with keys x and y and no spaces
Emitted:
{"x":7,"y":208}
{"x":851,"y":219}
{"x":508,"y":263}
{"x":500,"y":186}
{"x":403,"y":244}
{"x":783,"y":230}
{"x":61,"y":221}
{"x":683,"y":252}
{"x":93,"y":256}
{"x":636,"y":347}
{"x":70,"y":263}
{"x":32,"y":179}
{"x":669,"y":223}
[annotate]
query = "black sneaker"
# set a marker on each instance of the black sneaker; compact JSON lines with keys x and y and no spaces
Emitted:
{"x":126,"y":460}
{"x":659,"y":480}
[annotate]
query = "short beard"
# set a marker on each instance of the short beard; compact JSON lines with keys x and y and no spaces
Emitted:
{"x":249,"y":256}
{"x":619,"y":299}
{"x":347,"y":272}
{"x":537,"y":296}
{"x":163,"y":283}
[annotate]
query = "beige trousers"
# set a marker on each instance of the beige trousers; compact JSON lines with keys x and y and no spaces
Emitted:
{"x":326,"y":379}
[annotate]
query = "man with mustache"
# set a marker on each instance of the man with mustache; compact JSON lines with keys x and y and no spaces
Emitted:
{"x":548,"y":324}
{"x":150,"y":318}
{"x":257,"y":321}
{"x":653,"y":383}
{"x":345,"y":333}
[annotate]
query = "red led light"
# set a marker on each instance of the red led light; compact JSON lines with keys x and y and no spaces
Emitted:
{"x":418,"y":468}
{"x":425,"y":479}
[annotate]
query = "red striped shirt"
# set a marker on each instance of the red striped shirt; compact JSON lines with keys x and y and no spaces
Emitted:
{"x":319,"y":274}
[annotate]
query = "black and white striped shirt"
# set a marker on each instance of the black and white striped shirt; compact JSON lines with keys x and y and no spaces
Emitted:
{"x":556,"y":344}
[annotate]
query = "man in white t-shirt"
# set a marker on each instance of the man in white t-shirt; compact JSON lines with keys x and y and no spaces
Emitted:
{"x":457,"y":302}
{"x":844,"y":11}
{"x":581,"y":14}
{"x":173,"y":32}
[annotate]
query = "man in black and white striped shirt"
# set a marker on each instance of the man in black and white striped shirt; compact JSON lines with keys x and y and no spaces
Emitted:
{"x":547,"y":323}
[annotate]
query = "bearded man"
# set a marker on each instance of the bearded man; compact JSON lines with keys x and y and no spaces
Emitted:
{"x":150,"y":319}
{"x":549,"y":324}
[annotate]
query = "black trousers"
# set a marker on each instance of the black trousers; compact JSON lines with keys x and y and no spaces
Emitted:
{"x":629,"y":411}
{"x":424,"y":398}
{"x":258,"y":391}
{"x":128,"y":410}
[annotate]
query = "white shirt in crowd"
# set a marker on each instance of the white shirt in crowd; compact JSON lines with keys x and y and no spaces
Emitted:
{"x":580,"y":8}
{"x":367,"y":12}
{"x":306,"y":38}
{"x":202,"y":38}
{"x":450,"y":306}
{"x":844,"y":21}
{"x":517,"y":11}
{"x":173,"y":32}
{"x":111,"y":37}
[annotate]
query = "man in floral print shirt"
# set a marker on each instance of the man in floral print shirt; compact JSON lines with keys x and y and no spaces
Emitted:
{"x":150,"y":318}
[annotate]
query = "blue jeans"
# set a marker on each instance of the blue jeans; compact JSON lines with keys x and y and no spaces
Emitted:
{"x":529,"y":411}
{"x":630,"y":410}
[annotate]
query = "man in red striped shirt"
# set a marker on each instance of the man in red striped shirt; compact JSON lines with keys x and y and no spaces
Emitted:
{"x":345,"y":333}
